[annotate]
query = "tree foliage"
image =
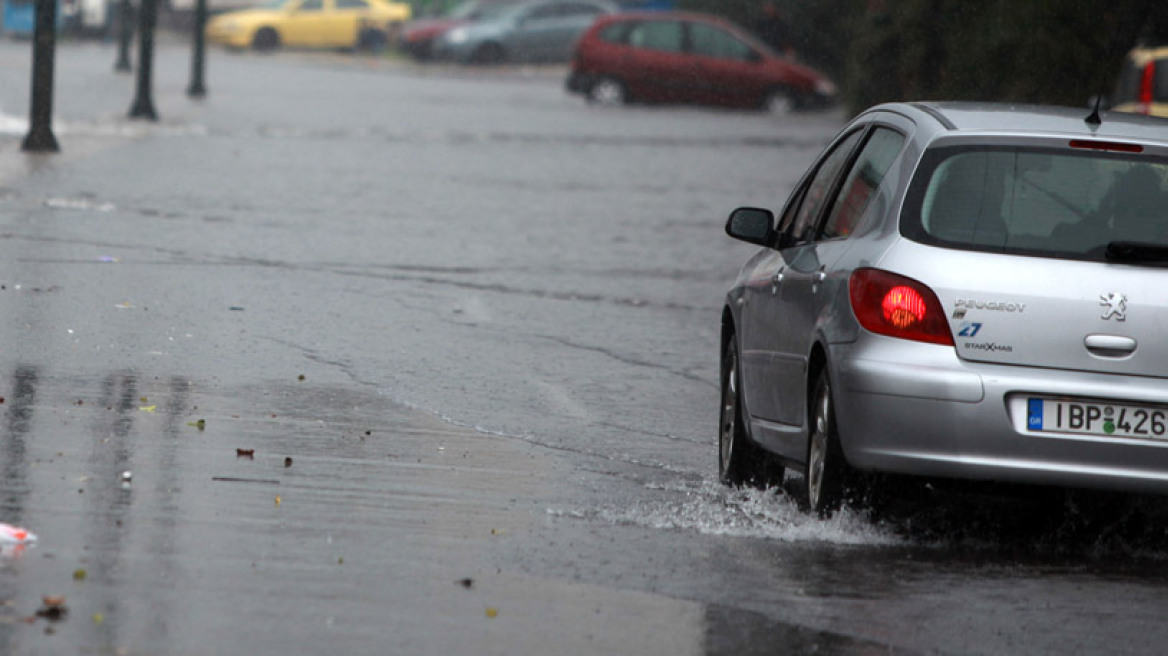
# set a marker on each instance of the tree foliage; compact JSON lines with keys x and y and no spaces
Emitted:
{"x":1035,"y":51}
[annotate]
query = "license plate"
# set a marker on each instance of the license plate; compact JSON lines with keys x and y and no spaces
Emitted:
{"x":1094,"y":418}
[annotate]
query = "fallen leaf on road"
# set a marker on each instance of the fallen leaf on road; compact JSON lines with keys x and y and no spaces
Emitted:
{"x":53,"y":608}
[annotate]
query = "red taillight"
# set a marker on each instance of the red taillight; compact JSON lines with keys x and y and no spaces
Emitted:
{"x":892,"y":305}
{"x":1107,"y":145}
{"x":903,"y":307}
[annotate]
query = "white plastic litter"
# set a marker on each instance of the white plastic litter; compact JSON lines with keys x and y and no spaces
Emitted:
{"x":15,"y":535}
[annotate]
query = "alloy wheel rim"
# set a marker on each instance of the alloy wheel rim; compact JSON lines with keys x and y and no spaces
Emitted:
{"x":607,"y":92}
{"x":729,"y":417}
{"x":817,"y":457}
{"x":779,"y":104}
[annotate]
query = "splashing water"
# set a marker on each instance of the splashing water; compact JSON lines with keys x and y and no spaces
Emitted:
{"x":714,"y":509}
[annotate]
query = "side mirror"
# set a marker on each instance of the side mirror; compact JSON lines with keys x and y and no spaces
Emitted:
{"x":753,"y":225}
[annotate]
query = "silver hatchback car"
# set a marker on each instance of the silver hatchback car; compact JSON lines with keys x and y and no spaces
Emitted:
{"x":957,"y":290}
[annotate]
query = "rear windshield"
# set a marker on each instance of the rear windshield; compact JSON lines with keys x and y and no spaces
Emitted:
{"x":1053,"y":203}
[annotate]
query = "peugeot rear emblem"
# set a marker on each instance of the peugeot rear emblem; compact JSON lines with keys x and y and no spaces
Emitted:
{"x":1116,"y":305}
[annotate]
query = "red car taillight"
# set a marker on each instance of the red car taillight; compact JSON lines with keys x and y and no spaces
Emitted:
{"x":892,"y":305}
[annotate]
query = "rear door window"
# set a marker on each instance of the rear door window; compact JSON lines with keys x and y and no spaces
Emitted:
{"x":854,"y":195}
{"x":709,"y":41}
{"x":1048,"y":202}
{"x":665,"y":36}
{"x":617,"y":32}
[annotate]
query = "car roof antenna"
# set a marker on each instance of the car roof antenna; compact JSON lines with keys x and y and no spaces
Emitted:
{"x":1094,"y":118}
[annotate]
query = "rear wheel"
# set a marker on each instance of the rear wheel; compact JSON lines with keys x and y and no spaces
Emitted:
{"x":740,"y":461}
{"x":265,"y":40}
{"x":778,"y":102}
{"x":372,"y":40}
{"x":607,"y":91}
{"x":829,"y":479}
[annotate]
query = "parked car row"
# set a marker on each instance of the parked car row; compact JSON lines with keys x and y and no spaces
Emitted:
{"x":615,"y":56}
{"x":618,"y":57}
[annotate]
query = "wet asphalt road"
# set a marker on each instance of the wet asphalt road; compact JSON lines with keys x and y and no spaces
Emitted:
{"x":467,"y":328}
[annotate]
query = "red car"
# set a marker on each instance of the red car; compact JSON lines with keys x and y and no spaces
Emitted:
{"x":681,"y":57}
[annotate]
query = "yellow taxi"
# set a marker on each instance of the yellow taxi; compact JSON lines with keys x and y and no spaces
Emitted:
{"x":370,"y":24}
{"x":1143,"y":83}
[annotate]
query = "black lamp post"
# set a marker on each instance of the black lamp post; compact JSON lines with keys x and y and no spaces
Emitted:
{"x":143,"y":106}
{"x":197,"y":89}
{"x":40,"y":137}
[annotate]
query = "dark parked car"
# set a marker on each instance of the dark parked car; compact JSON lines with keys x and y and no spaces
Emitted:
{"x":537,"y":31}
{"x":689,"y":58}
{"x":417,"y":40}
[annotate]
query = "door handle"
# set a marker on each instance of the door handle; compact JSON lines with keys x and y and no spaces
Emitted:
{"x":817,"y":279}
{"x":776,"y":280}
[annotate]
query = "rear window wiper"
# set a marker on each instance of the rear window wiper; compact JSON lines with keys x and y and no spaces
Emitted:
{"x":1134,"y":252}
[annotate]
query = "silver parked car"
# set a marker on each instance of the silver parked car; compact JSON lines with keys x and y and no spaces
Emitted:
{"x":957,"y":290}
{"x":540,"y":31}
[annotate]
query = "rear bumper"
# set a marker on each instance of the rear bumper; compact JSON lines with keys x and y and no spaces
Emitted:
{"x":945,"y":417}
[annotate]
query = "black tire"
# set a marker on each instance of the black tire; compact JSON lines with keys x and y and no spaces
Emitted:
{"x":265,"y":39}
{"x":740,"y":460}
{"x":488,"y":54}
{"x":373,"y":40}
{"x":828,"y":481}
{"x":608,"y":91}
